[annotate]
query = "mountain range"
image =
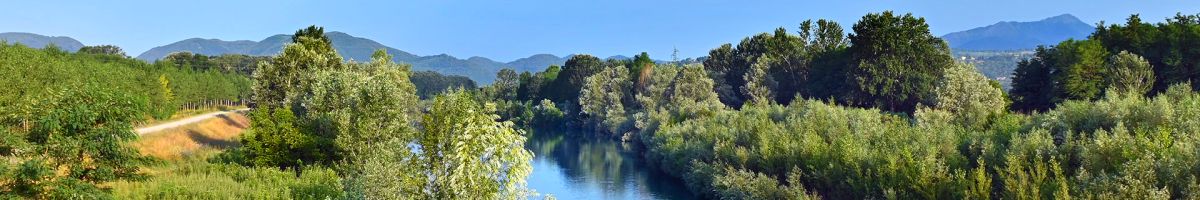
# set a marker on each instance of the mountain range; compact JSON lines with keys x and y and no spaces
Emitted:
{"x":480,"y":69}
{"x":1020,"y":35}
{"x":999,"y":36}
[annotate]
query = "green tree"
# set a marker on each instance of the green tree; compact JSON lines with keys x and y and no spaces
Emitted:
{"x":103,"y":50}
{"x":465,"y":153}
{"x":967,"y":93}
{"x":602,"y":97}
{"x":570,"y":80}
{"x":277,"y":140}
{"x":1166,"y":46}
{"x":78,"y":142}
{"x":1081,"y":69}
{"x":760,"y":86}
{"x":365,"y":112}
{"x":506,"y":84}
{"x":1131,"y":74}
{"x":896,"y":62}
{"x":1032,"y":85}
{"x":723,"y":67}
{"x":640,"y":68}
{"x":284,"y":77}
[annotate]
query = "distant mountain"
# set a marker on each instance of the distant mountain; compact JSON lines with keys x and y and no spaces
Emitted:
{"x":1020,"y":35}
{"x":537,"y":62}
{"x":40,"y":41}
{"x":480,"y":69}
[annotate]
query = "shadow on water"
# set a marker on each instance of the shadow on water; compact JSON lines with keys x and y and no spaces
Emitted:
{"x":572,"y":167}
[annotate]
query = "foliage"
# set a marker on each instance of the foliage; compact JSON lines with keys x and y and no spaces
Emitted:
{"x":228,"y":63}
{"x":759,"y":85}
{"x":103,"y":50}
{"x":570,"y":80}
{"x":277,"y":140}
{"x":506,"y":84}
{"x":896,"y":62}
{"x":1081,"y":69}
{"x":77,"y":141}
{"x":1119,"y":147}
{"x":807,"y":63}
{"x":968,"y":94}
{"x":1033,"y":87}
{"x":462,"y":152}
{"x":200,"y":180}
{"x":43,"y":72}
{"x":1131,"y":74}
{"x":1166,"y":46}
{"x":602,"y":100}
{"x":430,"y":83}
{"x":284,"y":77}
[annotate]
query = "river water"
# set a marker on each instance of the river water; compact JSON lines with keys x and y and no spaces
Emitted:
{"x":578,"y":168}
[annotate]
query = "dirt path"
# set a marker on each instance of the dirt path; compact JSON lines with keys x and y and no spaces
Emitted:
{"x":182,"y":122}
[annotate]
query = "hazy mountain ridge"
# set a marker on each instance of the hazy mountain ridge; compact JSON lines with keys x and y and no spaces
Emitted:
{"x":40,"y":41}
{"x":480,"y":69}
{"x":1020,"y":35}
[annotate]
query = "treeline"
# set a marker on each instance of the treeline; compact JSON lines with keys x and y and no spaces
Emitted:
{"x":228,"y":63}
{"x":430,"y":83}
{"x":66,"y":118}
{"x":1154,"y":56}
{"x":32,"y":75}
{"x":885,"y":112}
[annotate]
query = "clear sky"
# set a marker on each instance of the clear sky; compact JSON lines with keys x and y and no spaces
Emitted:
{"x":511,"y":29}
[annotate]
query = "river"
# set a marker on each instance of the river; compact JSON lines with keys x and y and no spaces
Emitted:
{"x":580,"y":168}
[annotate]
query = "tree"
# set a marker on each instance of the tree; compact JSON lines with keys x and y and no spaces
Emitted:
{"x":277,"y":140}
{"x":284,"y":76}
{"x":721,"y":66}
{"x":640,"y":68}
{"x":77,"y":143}
{"x":1166,"y":46}
{"x":1131,"y":74}
{"x":467,"y":154}
{"x":896,"y":62}
{"x":570,"y":80}
{"x":430,"y":83}
{"x":360,"y":115}
{"x":828,"y":36}
{"x":967,"y":93}
{"x":103,"y":50}
{"x":759,"y":84}
{"x":1081,"y":69}
{"x":295,"y":79}
{"x":602,"y":99}
{"x":506,"y":84}
{"x":1032,"y":85}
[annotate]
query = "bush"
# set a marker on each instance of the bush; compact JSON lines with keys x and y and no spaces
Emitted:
{"x":200,"y":180}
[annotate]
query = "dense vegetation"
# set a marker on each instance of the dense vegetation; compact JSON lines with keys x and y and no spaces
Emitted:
{"x":68,"y":116}
{"x":887,"y":113}
{"x":883,"y":112}
{"x":430,"y":83}
{"x":1081,"y":69}
{"x":361,"y":119}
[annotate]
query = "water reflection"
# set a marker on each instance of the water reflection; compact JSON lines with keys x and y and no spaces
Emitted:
{"x":577,"y":168}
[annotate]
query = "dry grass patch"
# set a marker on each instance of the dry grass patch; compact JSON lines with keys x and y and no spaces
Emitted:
{"x":220,"y":132}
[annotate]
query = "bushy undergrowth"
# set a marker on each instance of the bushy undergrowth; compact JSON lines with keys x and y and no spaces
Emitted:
{"x":1121,"y":147}
{"x":203,"y":180}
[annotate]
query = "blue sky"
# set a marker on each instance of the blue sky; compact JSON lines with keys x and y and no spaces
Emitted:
{"x":507,"y":30}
